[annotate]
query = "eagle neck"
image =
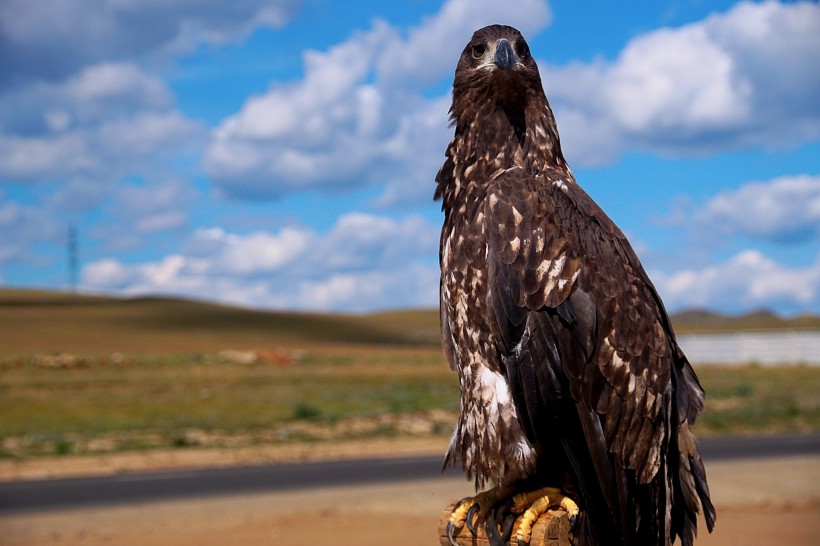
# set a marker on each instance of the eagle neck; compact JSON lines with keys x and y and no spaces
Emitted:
{"x":496,"y":138}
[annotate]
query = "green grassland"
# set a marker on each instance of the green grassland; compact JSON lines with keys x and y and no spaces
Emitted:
{"x":149,"y":372}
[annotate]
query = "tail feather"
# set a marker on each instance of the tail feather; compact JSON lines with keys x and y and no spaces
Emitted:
{"x":692,"y":487}
{"x":703,"y":491}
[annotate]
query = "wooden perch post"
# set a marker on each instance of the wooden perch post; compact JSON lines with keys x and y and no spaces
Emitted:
{"x":551,"y":529}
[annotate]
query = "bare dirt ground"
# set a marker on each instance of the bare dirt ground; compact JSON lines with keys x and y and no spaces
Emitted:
{"x":760,"y":502}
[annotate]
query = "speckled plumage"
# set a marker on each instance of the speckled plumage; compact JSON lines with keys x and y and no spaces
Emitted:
{"x":568,"y":366}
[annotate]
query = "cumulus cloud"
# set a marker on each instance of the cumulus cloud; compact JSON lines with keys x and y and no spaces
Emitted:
{"x":95,"y":125}
{"x":431,"y":49}
{"x":259,"y":253}
{"x":82,"y":115}
{"x":93,"y":94}
{"x":77,"y":144}
{"x":783,"y":210}
{"x":747,"y":281}
{"x":413,"y":286}
{"x":60,"y":37}
{"x":734,"y":80}
{"x":358,"y":117}
{"x":363,"y":262}
{"x":324,"y":129}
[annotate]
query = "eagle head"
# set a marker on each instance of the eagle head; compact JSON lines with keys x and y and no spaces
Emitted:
{"x":496,"y":65}
{"x":498,"y":104}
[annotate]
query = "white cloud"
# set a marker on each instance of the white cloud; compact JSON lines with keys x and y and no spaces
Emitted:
{"x":688,"y":70}
{"x":107,"y":273}
{"x":81,"y":115}
{"x":123,"y":84}
{"x":61,"y":36}
{"x":748,"y":280}
{"x":740,"y":79}
{"x":358,"y":117}
{"x":413,"y":286}
{"x":99,"y":123}
{"x":93,"y":95}
{"x":360,"y":241}
{"x":85,"y":134}
{"x":785,"y":209}
{"x":253,"y":254}
{"x":363,"y":262}
{"x":306,"y":134}
{"x":432,"y":49}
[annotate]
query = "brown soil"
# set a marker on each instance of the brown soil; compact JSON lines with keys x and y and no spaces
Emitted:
{"x":760,"y":502}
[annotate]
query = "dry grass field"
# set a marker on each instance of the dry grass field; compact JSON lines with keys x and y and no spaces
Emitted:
{"x":91,"y":375}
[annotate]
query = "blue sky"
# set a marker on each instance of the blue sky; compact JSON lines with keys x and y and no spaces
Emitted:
{"x":281,"y":154}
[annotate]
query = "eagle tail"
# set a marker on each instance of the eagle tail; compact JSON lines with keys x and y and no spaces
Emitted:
{"x":692,"y":491}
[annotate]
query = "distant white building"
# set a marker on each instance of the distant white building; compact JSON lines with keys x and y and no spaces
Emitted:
{"x":766,"y":348}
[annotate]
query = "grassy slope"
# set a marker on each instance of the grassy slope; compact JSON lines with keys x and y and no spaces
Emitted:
{"x":89,"y":325}
{"x":38,"y":322}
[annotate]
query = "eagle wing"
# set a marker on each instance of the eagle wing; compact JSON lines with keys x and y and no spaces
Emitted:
{"x":582,"y":327}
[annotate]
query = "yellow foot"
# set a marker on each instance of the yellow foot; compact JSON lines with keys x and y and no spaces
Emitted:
{"x":534,"y":503}
{"x":474,"y":509}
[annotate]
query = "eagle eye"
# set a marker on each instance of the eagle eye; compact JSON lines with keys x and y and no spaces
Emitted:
{"x":478,"y":50}
{"x":522,"y":50}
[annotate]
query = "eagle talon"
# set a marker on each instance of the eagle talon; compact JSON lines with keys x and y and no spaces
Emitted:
{"x":472,"y":511}
{"x":572,"y":511}
{"x":458,"y":516}
{"x":507,"y":528}
{"x":470,"y":515}
{"x":449,"y":529}
{"x":491,"y":528}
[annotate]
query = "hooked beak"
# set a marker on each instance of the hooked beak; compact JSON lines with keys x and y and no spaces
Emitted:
{"x":504,"y":56}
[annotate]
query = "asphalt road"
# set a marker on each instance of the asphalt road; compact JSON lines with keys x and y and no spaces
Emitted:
{"x":42,"y":495}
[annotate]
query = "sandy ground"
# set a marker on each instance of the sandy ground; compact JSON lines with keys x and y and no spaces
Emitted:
{"x":760,"y":502}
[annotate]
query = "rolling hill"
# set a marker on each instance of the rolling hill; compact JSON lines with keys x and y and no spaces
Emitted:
{"x":42,"y":321}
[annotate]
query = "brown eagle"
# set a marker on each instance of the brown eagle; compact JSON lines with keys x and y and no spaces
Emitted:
{"x":573,"y":387}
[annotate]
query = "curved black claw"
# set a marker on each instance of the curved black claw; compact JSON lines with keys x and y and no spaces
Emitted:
{"x":503,"y":515}
{"x":470,"y":514}
{"x":491,"y":528}
{"x":507,"y":527}
{"x":449,"y":529}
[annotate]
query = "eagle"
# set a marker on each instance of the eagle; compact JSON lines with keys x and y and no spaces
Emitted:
{"x":574,"y":390}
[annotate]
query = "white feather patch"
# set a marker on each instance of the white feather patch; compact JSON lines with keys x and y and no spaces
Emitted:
{"x":494,"y":388}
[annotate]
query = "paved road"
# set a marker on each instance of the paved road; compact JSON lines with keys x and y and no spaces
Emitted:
{"x":40,"y":495}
